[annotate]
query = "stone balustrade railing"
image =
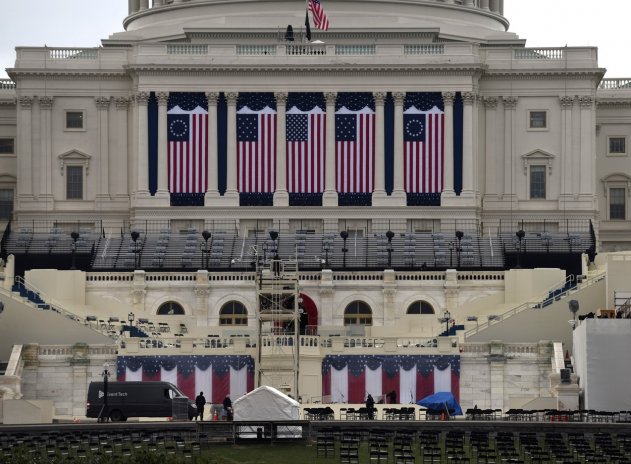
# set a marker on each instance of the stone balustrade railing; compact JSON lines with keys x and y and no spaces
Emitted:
{"x":616,"y":84}
{"x":493,"y":6}
{"x":7,"y":84}
{"x":539,"y":53}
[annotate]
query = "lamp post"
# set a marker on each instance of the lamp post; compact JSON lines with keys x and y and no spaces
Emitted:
{"x":390,"y":236}
{"x":520,"y":237}
{"x":134,"y":236}
{"x":326,"y":248}
{"x":459,"y":235}
{"x":344,"y":235}
{"x":75,"y":237}
{"x":130,"y":318}
{"x":204,"y":248}
{"x":104,"y":414}
{"x":447,"y":318}
{"x":573,"y":306}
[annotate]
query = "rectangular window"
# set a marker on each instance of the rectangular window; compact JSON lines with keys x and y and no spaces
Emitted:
{"x":7,"y":145}
{"x":617,"y":145}
{"x":74,"y":119}
{"x":537,"y":182}
{"x":617,"y":204}
{"x":538,"y":119}
{"x":74,"y":182}
{"x":6,"y":203}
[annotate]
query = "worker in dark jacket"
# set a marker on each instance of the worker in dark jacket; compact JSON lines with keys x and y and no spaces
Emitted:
{"x":370,"y":406}
{"x":200,"y":402}
{"x":227,"y":407}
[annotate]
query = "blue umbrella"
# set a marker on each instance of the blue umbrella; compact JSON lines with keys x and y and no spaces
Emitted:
{"x":441,"y":401}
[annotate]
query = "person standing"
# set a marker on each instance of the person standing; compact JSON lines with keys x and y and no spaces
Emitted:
{"x":370,"y":406}
{"x":200,"y":402}
{"x":392,"y":397}
{"x":227,"y":407}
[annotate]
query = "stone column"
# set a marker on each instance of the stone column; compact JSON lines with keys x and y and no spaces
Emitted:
{"x":510,"y":104}
{"x":389,"y":313}
{"x":158,"y":3}
{"x":212,"y":193}
{"x":501,"y":7}
{"x":118,"y":160}
{"x":46,"y":189}
{"x":162,"y":194}
{"x":379,"y":196}
{"x":202,"y":290}
{"x":448,"y":170}
{"x":468,"y":2}
{"x":468,"y":98}
{"x":484,"y":4}
{"x":103,"y":191}
{"x":327,"y":294}
{"x":25,"y":150}
{"x":492,"y":159}
{"x":398,"y":193}
{"x":281,"y":197}
{"x":144,"y":4}
{"x":494,"y":6}
{"x":231,"y":197}
{"x":587,"y":163}
{"x":567,"y":164}
{"x":142,"y":166}
{"x":329,"y":198}
{"x":134,"y":6}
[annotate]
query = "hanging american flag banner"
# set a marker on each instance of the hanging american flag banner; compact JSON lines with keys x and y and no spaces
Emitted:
{"x":355,"y":142}
{"x":187,"y":138}
{"x":423,"y":137}
{"x":256,"y":143}
{"x":306,"y":143}
{"x":319,"y":16}
{"x":349,"y":378}
{"x":216,"y":376}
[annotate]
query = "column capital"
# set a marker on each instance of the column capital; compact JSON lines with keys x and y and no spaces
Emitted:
{"x":212,"y":97}
{"x":449,"y":97}
{"x":490,"y":102}
{"x":586,"y":101}
{"x":122,"y":103}
{"x":468,"y":98}
{"x":231,"y":98}
{"x":141,"y":98}
{"x":566,"y":102}
{"x":281,"y":98}
{"x":510,"y":102}
{"x":102,"y":103}
{"x":399,"y":97}
{"x":330,"y":97}
{"x":26,"y":102}
{"x":46,"y":103}
{"x":380,"y":98}
{"x":163,"y":98}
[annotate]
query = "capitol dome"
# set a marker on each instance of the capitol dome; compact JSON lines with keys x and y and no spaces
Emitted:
{"x":477,"y":20}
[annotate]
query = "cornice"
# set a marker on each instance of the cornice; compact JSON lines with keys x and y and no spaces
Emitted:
{"x":535,"y":74}
{"x":617,"y":103}
{"x":9,"y":101}
{"x":57,"y":75}
{"x":338,"y":35}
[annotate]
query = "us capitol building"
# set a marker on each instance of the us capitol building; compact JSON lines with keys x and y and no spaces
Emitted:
{"x":312,"y":206}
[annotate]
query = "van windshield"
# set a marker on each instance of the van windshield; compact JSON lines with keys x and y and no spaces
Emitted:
{"x":176,"y":391}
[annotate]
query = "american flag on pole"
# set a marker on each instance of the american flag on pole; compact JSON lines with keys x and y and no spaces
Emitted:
{"x":306,"y":143}
{"x":320,"y":20}
{"x":187,"y":138}
{"x":216,"y":376}
{"x":423,"y":136}
{"x":349,"y":378}
{"x":355,"y":143}
{"x":256,"y":143}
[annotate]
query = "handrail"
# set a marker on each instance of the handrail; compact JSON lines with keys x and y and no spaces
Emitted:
{"x":533,"y":304}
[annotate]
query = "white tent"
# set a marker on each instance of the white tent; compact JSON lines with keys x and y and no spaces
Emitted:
{"x":265,"y":403}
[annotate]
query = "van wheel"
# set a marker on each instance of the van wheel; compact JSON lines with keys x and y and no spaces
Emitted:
{"x":116,"y":416}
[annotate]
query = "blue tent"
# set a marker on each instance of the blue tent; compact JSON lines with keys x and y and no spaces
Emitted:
{"x":440,"y":401}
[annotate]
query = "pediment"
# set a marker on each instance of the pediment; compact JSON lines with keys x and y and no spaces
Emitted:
{"x":74,"y":158}
{"x":617,"y":179}
{"x":538,"y":157}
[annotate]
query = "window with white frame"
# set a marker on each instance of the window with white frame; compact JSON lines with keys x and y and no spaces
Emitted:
{"x":537,"y":119}
{"x":6,"y":203}
{"x":537,"y":182}
{"x":7,"y":146}
{"x":74,"y":182}
{"x":75,"y":120}
{"x":617,"y":203}
{"x":617,"y":145}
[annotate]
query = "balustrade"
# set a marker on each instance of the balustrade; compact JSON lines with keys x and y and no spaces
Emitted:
{"x":73,"y":53}
{"x":7,"y":84}
{"x":539,"y":53}
{"x":615,"y":84}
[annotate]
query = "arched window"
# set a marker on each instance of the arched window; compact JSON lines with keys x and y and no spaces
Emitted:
{"x":233,"y":313}
{"x":420,"y":307}
{"x":170,"y":308}
{"x":358,"y":312}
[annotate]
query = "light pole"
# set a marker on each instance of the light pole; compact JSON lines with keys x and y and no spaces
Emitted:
{"x":134,"y":236}
{"x":130,"y":318}
{"x":459,"y":235}
{"x":344,"y":235}
{"x":520,"y":236}
{"x":75,"y":237}
{"x":573,"y":306}
{"x":390,"y":236}
{"x":447,"y":318}
{"x":204,"y":248}
{"x":104,"y":414}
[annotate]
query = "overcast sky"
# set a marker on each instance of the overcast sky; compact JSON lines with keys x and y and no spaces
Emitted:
{"x":544,"y":23}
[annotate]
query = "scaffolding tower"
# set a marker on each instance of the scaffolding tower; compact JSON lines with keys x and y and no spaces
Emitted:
{"x":278,"y":321}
